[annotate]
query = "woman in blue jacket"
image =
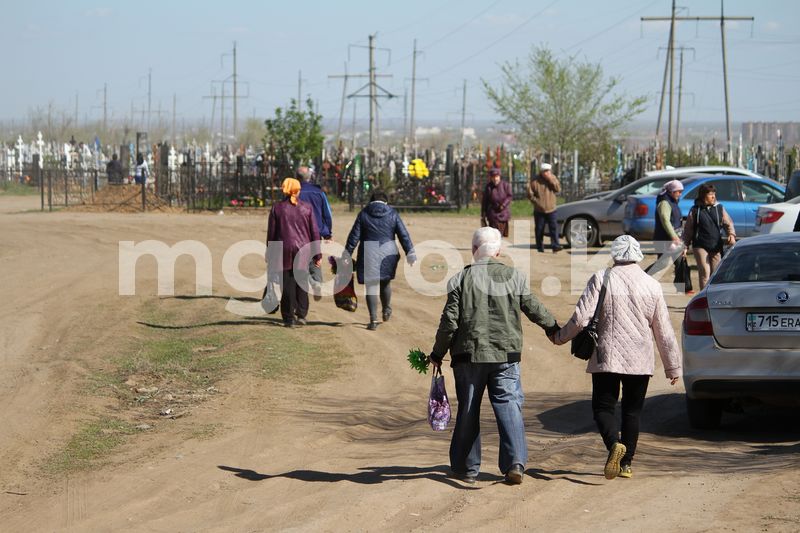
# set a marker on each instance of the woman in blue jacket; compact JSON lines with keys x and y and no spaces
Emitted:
{"x":374,"y":233}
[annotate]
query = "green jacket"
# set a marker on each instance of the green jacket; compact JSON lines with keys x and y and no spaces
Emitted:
{"x":481,"y":320}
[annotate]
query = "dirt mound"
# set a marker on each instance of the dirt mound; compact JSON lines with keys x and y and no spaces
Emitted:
{"x":125,"y":199}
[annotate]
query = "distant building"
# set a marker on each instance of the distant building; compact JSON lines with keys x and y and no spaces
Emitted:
{"x":766,"y":133}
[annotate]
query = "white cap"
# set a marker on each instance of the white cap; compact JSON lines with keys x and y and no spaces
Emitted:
{"x":546,"y":166}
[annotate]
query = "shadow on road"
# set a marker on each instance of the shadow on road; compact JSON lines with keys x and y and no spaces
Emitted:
{"x":366,"y":476}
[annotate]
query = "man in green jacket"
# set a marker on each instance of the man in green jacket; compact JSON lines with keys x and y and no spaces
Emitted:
{"x":481,"y":328}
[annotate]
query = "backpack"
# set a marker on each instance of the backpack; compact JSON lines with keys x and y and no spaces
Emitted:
{"x":695,"y":210}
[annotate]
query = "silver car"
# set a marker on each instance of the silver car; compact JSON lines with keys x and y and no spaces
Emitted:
{"x":741,"y":334}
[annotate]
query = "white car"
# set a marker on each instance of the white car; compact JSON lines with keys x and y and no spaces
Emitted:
{"x":777,"y":218}
{"x":741,"y":333}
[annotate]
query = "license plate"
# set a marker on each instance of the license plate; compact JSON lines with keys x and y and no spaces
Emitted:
{"x":773,"y":322}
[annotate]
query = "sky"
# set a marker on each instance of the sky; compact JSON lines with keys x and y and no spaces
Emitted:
{"x":56,"y":52}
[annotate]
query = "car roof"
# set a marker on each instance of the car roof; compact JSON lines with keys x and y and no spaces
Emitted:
{"x":709,"y":169}
{"x":770,"y":238}
{"x":693,"y":179}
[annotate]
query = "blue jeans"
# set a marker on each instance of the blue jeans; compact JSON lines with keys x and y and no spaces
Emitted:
{"x":549,"y":220}
{"x":505,"y":394}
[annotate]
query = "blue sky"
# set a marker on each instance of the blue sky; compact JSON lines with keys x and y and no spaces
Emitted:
{"x":54,"y":50}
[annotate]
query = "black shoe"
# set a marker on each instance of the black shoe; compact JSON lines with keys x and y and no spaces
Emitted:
{"x":387,"y":314}
{"x":540,"y":250}
{"x":288,"y":323}
{"x":557,"y":249}
{"x":466,"y":478}
{"x":373,"y":325}
{"x":300,"y":321}
{"x":515,"y":474}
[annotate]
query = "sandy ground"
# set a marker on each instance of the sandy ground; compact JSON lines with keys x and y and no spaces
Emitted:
{"x":354,"y":453}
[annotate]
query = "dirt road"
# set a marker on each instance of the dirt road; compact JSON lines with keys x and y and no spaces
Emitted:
{"x":353,"y":453}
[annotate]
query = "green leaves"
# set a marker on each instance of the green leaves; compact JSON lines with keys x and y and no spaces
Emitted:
{"x":560,"y":105}
{"x":419,"y":361}
{"x":294,"y":136}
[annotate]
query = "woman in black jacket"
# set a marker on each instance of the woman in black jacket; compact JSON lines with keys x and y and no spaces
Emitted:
{"x":374,"y":233}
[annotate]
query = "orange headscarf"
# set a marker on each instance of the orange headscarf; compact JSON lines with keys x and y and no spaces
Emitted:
{"x":291,"y":188}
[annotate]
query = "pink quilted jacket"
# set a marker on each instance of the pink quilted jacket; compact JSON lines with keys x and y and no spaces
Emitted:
{"x":634,"y":305}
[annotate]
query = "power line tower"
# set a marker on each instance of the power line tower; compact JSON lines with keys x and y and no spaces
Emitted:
{"x":680,"y":86}
{"x":670,"y":62}
{"x":375,"y":90}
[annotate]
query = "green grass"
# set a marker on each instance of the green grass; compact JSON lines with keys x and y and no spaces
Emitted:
{"x":91,"y":445}
{"x":12,"y":188}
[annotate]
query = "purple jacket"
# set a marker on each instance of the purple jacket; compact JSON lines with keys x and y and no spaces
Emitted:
{"x":496,"y":199}
{"x":295,"y":226}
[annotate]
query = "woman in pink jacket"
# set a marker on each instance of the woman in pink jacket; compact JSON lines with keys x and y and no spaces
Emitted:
{"x":633,"y":306}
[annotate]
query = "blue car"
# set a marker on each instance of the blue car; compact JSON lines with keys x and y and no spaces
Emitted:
{"x":740,"y":195}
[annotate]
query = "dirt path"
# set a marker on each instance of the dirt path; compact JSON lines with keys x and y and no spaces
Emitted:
{"x":355,"y":452}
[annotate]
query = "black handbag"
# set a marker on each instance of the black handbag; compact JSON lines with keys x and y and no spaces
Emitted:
{"x":585,"y":343}
{"x":683,"y":274}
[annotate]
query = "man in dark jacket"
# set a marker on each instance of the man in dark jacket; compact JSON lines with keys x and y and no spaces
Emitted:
{"x":495,"y":202}
{"x":292,"y":225}
{"x":114,"y":170}
{"x":374,"y":233}
{"x":480,"y":326}
{"x":313,"y":195}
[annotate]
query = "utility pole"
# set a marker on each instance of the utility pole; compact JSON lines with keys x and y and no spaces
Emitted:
{"x":149,"y":96}
{"x":412,"y":128}
{"x":680,"y":92}
{"x":405,"y":116}
{"x":174,"y":105}
{"x":725,"y":78}
{"x":373,"y":87}
{"x":463,"y":111}
{"x":235,"y":96}
{"x":344,"y":97}
{"x":76,"y":109}
{"x":671,"y":56}
{"x":105,"y":107}
{"x":722,"y":18}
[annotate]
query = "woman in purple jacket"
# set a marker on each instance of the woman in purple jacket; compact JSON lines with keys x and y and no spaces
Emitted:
{"x":292,"y":224}
{"x":494,"y":205}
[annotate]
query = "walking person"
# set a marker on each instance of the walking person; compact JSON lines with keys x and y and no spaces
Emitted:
{"x":633,"y":306}
{"x":542,"y":191}
{"x":312,"y":194}
{"x":668,"y":229}
{"x":142,"y":171}
{"x":704,"y":231}
{"x":374,"y":232}
{"x":480,"y":326}
{"x":495,"y":204}
{"x":292,"y":224}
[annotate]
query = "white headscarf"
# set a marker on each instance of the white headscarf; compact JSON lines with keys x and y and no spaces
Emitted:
{"x":626,"y":249}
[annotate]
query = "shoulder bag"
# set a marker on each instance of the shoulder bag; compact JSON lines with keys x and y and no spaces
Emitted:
{"x":585,"y":343}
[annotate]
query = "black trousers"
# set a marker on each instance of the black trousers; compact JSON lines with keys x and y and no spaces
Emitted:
{"x":385,"y":293}
{"x":546,"y":219}
{"x":605,"y":393}
{"x":294,"y":299}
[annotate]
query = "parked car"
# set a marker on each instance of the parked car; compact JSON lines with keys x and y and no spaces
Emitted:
{"x":599,"y":216}
{"x":741,"y":196}
{"x":777,"y":218}
{"x":741,"y":333}
{"x":792,"y":186}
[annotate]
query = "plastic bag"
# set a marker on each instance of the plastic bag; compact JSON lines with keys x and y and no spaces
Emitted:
{"x":271,"y":298}
{"x":683,"y":274}
{"x":438,"y":405}
{"x":344,"y":295}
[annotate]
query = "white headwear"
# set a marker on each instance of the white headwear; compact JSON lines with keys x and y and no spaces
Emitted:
{"x":672,"y":186}
{"x":546,"y":166}
{"x":626,"y":249}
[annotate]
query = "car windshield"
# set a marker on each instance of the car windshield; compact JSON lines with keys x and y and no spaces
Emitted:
{"x":764,"y":262}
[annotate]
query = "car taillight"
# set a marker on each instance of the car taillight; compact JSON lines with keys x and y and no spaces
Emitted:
{"x":641,"y":210}
{"x":696,"y":318}
{"x":771,"y":217}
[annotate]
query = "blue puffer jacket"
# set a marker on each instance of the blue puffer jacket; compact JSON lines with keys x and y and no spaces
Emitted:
{"x":374,"y":233}
{"x":312,"y":194}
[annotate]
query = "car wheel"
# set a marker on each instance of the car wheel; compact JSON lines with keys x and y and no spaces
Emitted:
{"x":704,"y":413}
{"x":582,"y":231}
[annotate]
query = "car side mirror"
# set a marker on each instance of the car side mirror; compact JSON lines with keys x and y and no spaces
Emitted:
{"x":621,"y":198}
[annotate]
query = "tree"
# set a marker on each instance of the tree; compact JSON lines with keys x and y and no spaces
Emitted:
{"x":563,"y":105}
{"x":294,"y":136}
